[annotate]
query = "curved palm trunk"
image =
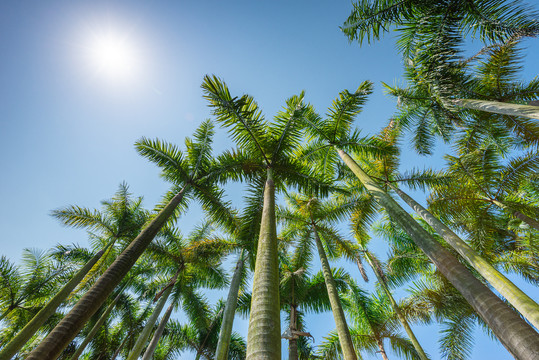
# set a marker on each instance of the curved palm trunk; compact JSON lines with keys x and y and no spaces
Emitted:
{"x":522,"y":302}
{"x":380,"y":344}
{"x":513,"y":332}
{"x":73,"y":322}
{"x":96,"y":327}
{"x":497,"y":107}
{"x":338,"y":314}
{"x":225,"y":333}
{"x":528,"y":220}
{"x":264,"y":334}
{"x":48,"y":310}
{"x":146,"y":331}
{"x":157,"y":335}
{"x":396,"y":308}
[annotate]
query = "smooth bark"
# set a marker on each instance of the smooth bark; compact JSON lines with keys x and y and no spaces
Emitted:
{"x":380,"y":344}
{"x":148,"y":327}
{"x":528,"y":220}
{"x":47,"y":311}
{"x":225,"y":333}
{"x":497,"y":107}
{"x":57,"y":340}
{"x":96,"y":327}
{"x":516,"y":297}
{"x":157,"y":335}
{"x":396,"y":308}
{"x":514,"y":333}
{"x":264,"y":334}
{"x":345,"y":338}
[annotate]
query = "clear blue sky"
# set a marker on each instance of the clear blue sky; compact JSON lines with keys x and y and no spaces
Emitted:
{"x":67,"y":133}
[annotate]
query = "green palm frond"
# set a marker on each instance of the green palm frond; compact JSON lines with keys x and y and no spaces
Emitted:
{"x":165,"y":155}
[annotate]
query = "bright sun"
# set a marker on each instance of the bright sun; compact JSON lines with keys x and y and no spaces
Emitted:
{"x":113,"y":57}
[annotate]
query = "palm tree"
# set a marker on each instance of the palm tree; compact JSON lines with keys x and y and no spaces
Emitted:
{"x":192,"y":175}
{"x":24,"y":293}
{"x":192,"y":262}
{"x":302,"y":292}
{"x":201,"y":334}
{"x":373,"y":321}
{"x":334,"y":132}
{"x":312,"y":218}
{"x":265,"y":159}
{"x":422,"y":109}
{"x":431,"y":34}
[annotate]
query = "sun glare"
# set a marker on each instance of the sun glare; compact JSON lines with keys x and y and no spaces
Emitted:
{"x":113,"y":57}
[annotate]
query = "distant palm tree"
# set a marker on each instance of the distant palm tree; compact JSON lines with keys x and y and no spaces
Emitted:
{"x":373,"y":321}
{"x":191,"y":174}
{"x":311,"y":220}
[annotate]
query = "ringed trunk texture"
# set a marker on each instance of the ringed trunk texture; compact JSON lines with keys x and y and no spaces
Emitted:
{"x":396,"y":308}
{"x":528,"y":220}
{"x":96,"y":327}
{"x":514,"y":333}
{"x":57,"y":340}
{"x":497,"y":107}
{"x":49,"y":309}
{"x":264,"y":334}
{"x":522,"y":302}
{"x":148,"y":327}
{"x":225,"y":333}
{"x":338,"y":314}
{"x":157,"y":335}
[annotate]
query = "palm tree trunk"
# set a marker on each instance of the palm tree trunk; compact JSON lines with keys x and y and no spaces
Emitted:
{"x":293,"y":342}
{"x":380,"y":344}
{"x":117,"y":352}
{"x":528,"y":220}
{"x":97,"y":326}
{"x":146,"y":331}
{"x":522,"y":302}
{"x":157,"y":335}
{"x":396,"y":308}
{"x":73,"y":322}
{"x":225,"y":333}
{"x":338,"y":314}
{"x":264,"y":334}
{"x":49,"y":309}
{"x":497,"y":107}
{"x":512,"y":331}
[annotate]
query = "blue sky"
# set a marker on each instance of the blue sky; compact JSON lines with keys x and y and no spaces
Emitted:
{"x":67,"y":133}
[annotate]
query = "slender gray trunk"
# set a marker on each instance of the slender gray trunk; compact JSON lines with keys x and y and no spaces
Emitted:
{"x":497,"y":107}
{"x":513,"y":332}
{"x":57,"y":340}
{"x":396,"y":308}
{"x":225,"y":333}
{"x":17,"y":342}
{"x":293,"y":342}
{"x":516,"y":297}
{"x":146,"y":331}
{"x":338,"y":314}
{"x":157,"y":335}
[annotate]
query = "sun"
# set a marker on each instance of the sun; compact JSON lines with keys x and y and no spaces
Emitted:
{"x":113,"y":56}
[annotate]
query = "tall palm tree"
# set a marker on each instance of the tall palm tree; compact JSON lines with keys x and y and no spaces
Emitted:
{"x":334,"y":132}
{"x":191,"y":262}
{"x":302,"y":292}
{"x":373,"y":321}
{"x":312,"y":219}
{"x":192,"y":175}
{"x":266,"y":159}
{"x":432,"y":34}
